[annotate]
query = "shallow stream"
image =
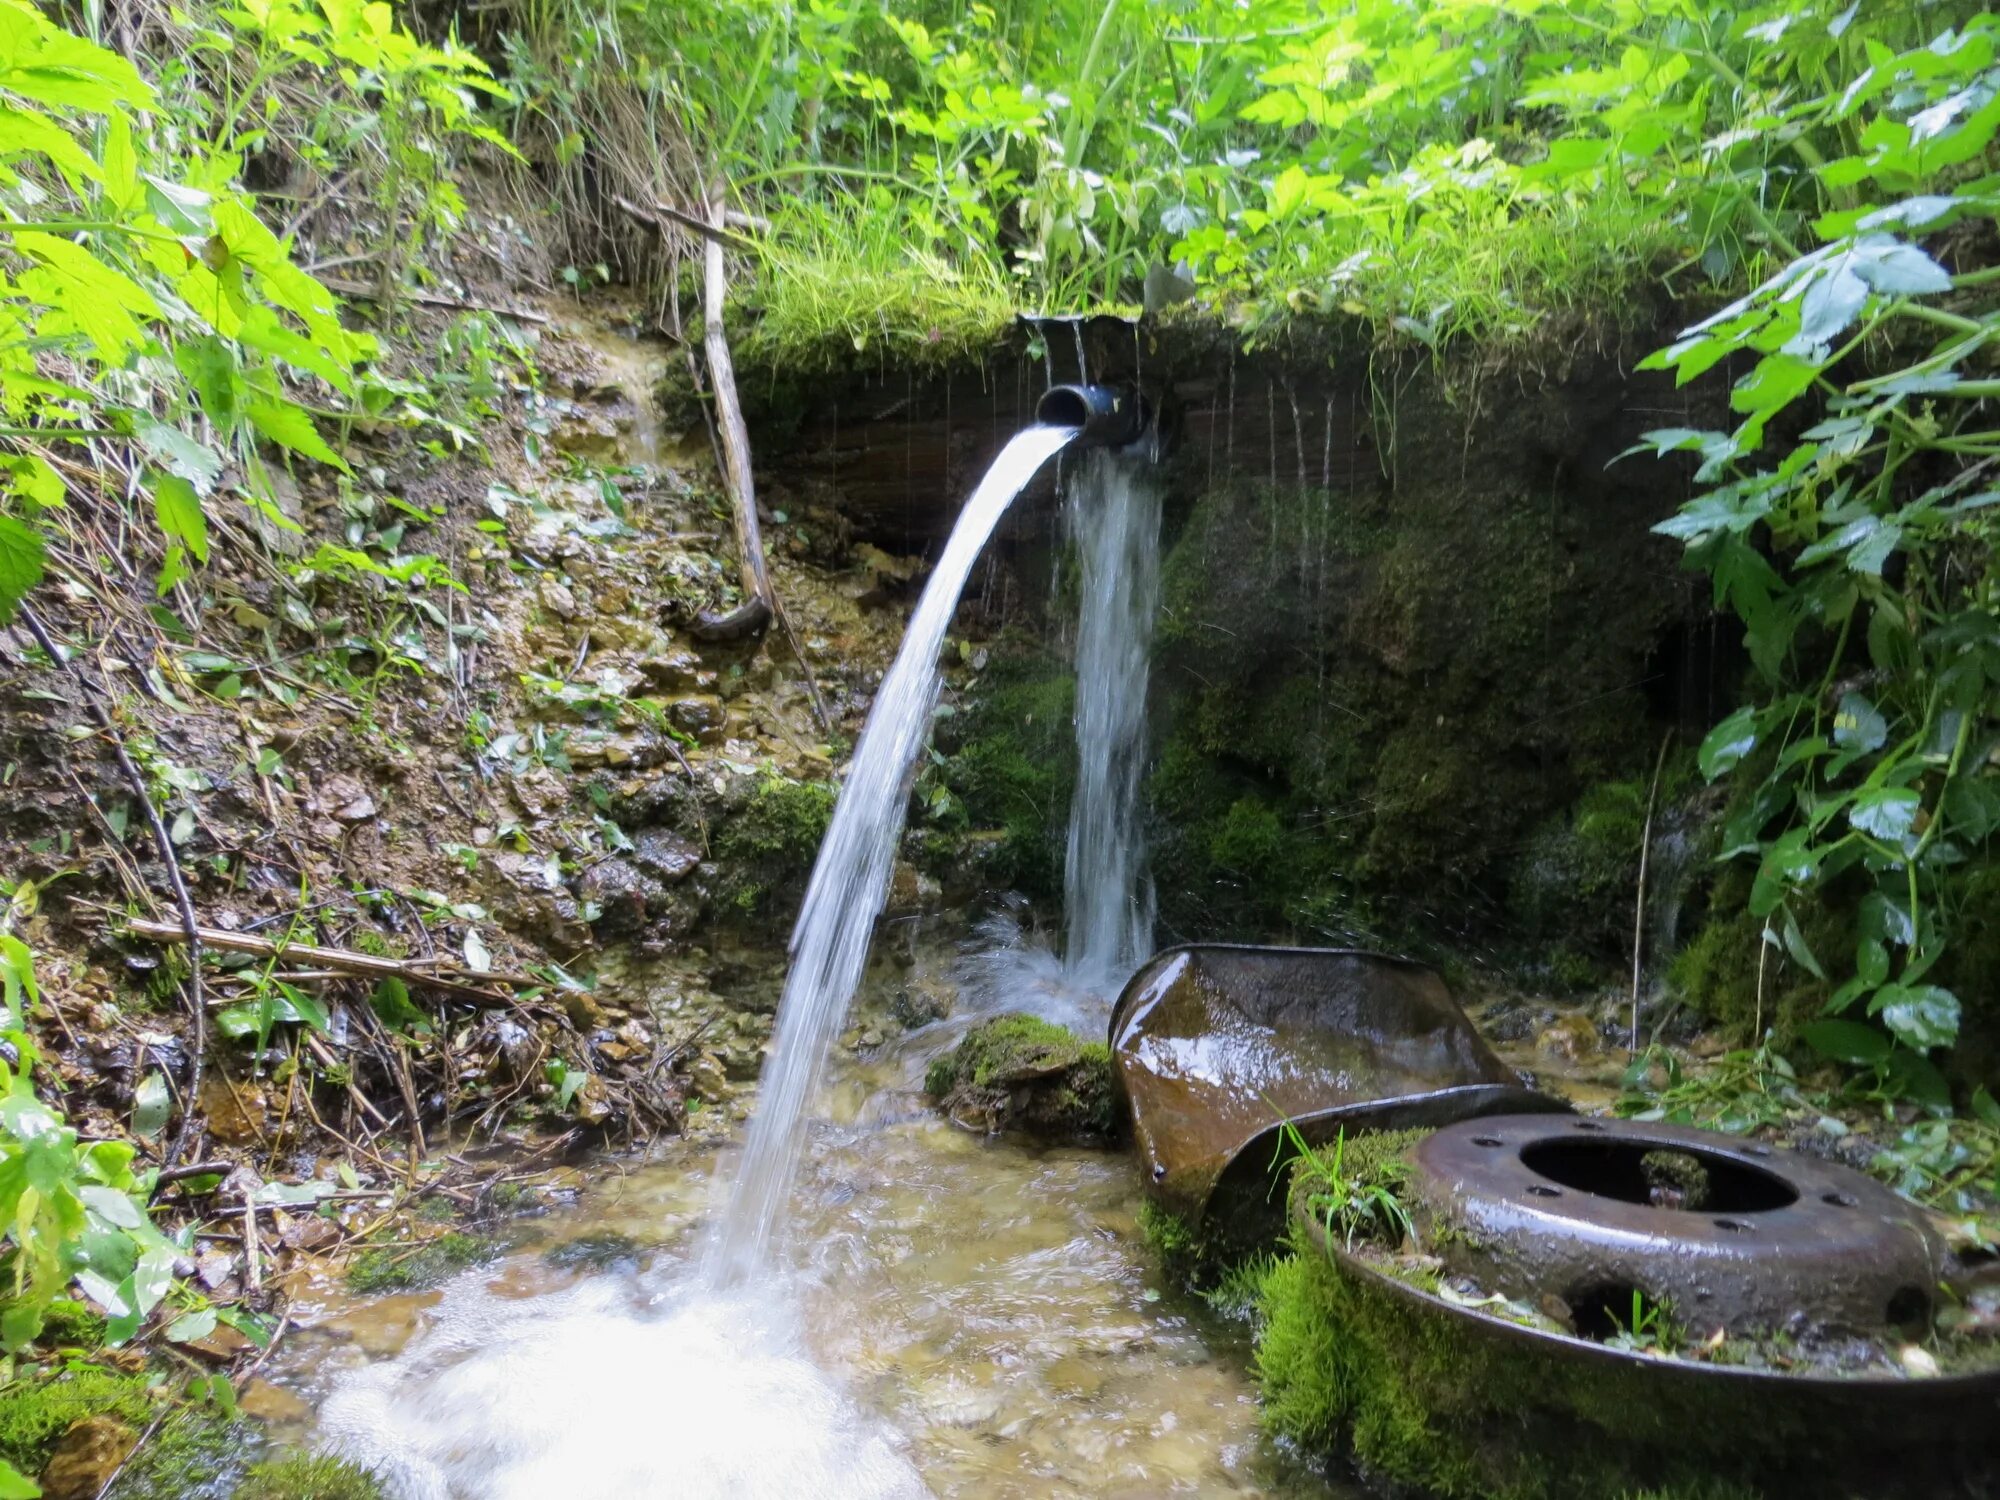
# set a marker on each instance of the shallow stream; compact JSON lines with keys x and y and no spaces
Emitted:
{"x":961,"y":1317}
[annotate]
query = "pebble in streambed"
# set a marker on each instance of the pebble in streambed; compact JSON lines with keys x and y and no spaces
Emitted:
{"x":604,"y":1392}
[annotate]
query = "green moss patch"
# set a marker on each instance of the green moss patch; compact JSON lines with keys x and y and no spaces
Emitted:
{"x":37,"y":1408}
{"x":308,"y":1476}
{"x":770,"y":843}
{"x":1021,"y":1072}
{"x":400,"y":1268}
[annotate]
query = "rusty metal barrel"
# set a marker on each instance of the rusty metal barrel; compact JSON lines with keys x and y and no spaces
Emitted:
{"x":1220,"y":1046}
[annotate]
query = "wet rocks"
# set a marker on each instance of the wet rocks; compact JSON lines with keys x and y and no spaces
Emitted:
{"x":86,"y":1458}
{"x":701,"y":715}
{"x":1019,"y":1072}
{"x":665,"y":855}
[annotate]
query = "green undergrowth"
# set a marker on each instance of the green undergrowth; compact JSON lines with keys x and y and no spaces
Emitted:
{"x":1007,"y":763}
{"x":397,"y":1268}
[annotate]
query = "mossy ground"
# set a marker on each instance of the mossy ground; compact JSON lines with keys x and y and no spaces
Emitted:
{"x":769,"y":845}
{"x":305,"y":1476}
{"x":396,"y":1268}
{"x":1019,"y":1071}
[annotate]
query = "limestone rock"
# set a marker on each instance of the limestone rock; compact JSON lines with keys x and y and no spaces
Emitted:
{"x":665,"y":855}
{"x":699,"y":714}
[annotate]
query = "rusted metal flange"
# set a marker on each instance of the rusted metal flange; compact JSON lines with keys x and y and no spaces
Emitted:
{"x":1734,"y":1235}
{"x":1793,"y":1432}
{"x":1217,"y":1046}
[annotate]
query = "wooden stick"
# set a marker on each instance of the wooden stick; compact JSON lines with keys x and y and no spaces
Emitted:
{"x":716,"y":232}
{"x":413,"y":971}
{"x":1639,"y":908}
{"x":456,"y":304}
{"x":729,"y":412}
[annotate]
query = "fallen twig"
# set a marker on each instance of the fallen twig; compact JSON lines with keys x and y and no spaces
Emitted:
{"x":456,"y":981}
{"x":429,"y":299}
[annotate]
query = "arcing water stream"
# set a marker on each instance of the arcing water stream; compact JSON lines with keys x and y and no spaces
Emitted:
{"x":850,"y":878}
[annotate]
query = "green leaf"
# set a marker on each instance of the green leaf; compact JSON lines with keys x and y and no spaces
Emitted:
{"x":178,"y":509}
{"x":180,"y":454}
{"x":1775,"y":383}
{"x":1922,"y":1016}
{"x":1857,"y":725}
{"x":21,"y":551}
{"x":210,"y":367}
{"x":290,"y":427}
{"x":151,"y":1105}
{"x":16,"y":1486}
{"x":1727,"y":743}
{"x":1795,"y":944}
{"x":1846,"y":1041}
{"x":190,"y":1326}
{"x":1886,"y":813}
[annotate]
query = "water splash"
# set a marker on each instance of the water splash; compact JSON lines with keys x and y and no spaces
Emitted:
{"x":850,"y":878}
{"x":1113,"y":515}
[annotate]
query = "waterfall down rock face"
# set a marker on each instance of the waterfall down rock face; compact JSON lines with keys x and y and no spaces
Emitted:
{"x":850,"y":879}
{"x":1113,"y":514}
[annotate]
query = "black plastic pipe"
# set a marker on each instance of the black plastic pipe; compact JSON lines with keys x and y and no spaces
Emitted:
{"x":1108,"y":416}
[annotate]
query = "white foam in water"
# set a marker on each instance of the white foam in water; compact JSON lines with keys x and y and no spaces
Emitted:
{"x":700,"y":1396}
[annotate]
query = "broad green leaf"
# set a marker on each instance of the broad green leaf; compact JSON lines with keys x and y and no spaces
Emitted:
{"x":85,"y":296}
{"x":190,"y":1326}
{"x":1858,"y":725}
{"x":21,"y":551}
{"x":1728,"y":743}
{"x":1775,"y":383}
{"x":1846,"y":1041}
{"x":178,"y":509}
{"x":289,"y":427}
{"x":1886,"y":813}
{"x":197,"y":463}
{"x":14,"y":1485}
{"x":151,"y":1105}
{"x":1922,"y":1016}
{"x":210,"y":366}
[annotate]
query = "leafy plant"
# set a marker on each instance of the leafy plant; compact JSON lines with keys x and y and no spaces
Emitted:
{"x":1857,"y":548}
{"x":72,"y":1212}
{"x":1358,"y":1202}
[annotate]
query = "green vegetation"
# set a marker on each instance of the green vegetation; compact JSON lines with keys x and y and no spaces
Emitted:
{"x":302,"y":1476}
{"x":38,"y":1407}
{"x":397,"y":1268}
{"x":772,"y":839}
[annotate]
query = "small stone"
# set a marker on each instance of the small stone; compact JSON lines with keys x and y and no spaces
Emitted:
{"x":343,"y":797}
{"x":1571,"y":1036}
{"x":665,"y":855}
{"x":1918,"y":1361}
{"x":85,"y":1458}
{"x":556,"y":598}
{"x":236,"y":1112}
{"x":272,"y":1403}
{"x":214,"y":1267}
{"x":708,"y":1080}
{"x":699,"y":714}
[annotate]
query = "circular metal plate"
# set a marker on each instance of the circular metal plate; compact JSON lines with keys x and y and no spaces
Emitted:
{"x":1731,"y":1233}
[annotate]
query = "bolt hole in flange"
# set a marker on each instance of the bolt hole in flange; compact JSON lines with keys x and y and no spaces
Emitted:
{"x":1909,"y":1311}
{"x":1684,"y":1178}
{"x":1487,"y":1140}
{"x":1604,"y":1311}
{"x":1840,"y":1200}
{"x":1543,"y":1190}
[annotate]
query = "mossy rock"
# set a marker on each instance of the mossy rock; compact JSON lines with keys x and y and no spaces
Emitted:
{"x":769,"y":843}
{"x":38,"y":1407}
{"x":1018,"y":1072}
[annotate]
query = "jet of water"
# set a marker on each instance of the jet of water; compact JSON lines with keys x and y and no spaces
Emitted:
{"x":850,"y":878}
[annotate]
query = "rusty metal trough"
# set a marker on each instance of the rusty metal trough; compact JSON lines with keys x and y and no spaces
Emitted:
{"x":1217,"y":1045}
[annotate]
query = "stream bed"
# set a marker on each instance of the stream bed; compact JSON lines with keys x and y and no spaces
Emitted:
{"x":961,"y":1316}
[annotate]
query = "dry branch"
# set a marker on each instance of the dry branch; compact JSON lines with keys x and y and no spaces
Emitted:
{"x":464,"y":983}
